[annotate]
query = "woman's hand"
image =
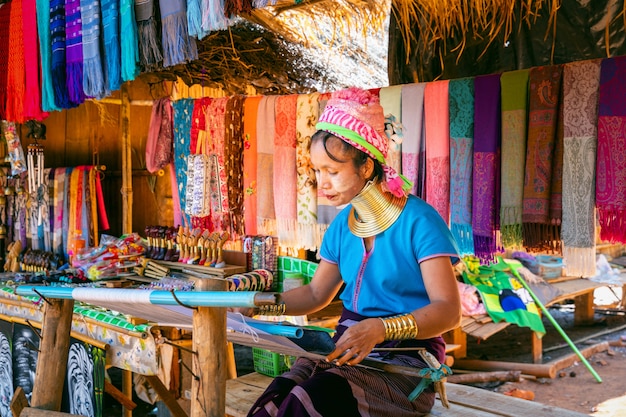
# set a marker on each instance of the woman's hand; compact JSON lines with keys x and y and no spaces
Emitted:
{"x":357,"y":342}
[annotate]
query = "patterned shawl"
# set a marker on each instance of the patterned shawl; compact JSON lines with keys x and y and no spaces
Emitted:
{"x":461,"y":101}
{"x":150,"y":56}
{"x":413,"y":140}
{"x":437,"y":123}
{"x":611,"y":159}
{"x":178,"y":46}
{"x":581,"y":81}
{"x":32,"y":97}
{"x":391,"y":101}
{"x":265,"y":166}
{"x":541,"y":226}
{"x":129,"y":47}
{"x":74,"y":51}
{"x":307,"y":113}
{"x":233,"y":162}
{"x":215,"y":123}
{"x":285,"y":172}
{"x":159,"y":144}
{"x":183,"y":110}
{"x":15,"y":88}
{"x":45,"y":50}
{"x":486,"y":166}
{"x":93,"y":75}
{"x":250,"y":114}
{"x":110,"y":10}
{"x":514,"y":86}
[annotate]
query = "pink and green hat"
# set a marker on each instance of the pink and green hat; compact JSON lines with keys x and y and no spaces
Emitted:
{"x":356,"y":116}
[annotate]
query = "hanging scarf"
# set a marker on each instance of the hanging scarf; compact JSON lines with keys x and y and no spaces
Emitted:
{"x":74,"y":51}
{"x":5,"y":19}
{"x":58,"y":203}
{"x":129,"y":47}
{"x":233,"y":162}
{"x":103,"y":219}
{"x":541,"y":228}
{"x":45,"y":52}
{"x":93,"y":76}
{"x":110,"y":10}
{"x":611,"y":159}
{"x":66,"y":209}
{"x":461,"y":99}
{"x":215,"y":122}
{"x":183,"y":110}
{"x":265,"y":166}
{"x":159,"y":144}
{"x":413,"y":122}
{"x":15,"y":89}
{"x":326,"y":212}
{"x":486,"y":166}
{"x":194,"y":19}
{"x":150,"y":56}
{"x":250,"y":116}
{"x":213,"y":16}
{"x":198,"y":122}
{"x":309,"y":235}
{"x":514,"y":85}
{"x":285,"y":172}
{"x":391,"y":102}
{"x":437,"y":124}
{"x":178,"y":46}
{"x":32,"y":93}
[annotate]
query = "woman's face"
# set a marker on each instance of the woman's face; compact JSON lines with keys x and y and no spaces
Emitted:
{"x":338,"y":181}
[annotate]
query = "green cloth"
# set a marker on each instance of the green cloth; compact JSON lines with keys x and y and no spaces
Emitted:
{"x":504,"y":297}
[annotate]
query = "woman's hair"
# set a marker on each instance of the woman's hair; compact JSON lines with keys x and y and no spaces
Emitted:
{"x":357,"y":156}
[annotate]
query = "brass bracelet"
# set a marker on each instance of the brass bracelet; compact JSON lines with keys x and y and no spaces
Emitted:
{"x":272,"y":310}
{"x":400,"y":327}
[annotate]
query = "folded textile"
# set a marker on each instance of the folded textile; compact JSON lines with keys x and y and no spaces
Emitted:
{"x":611,"y":156}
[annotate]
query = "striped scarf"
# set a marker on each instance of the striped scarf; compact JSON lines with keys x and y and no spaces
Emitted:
{"x":541,"y":223}
{"x":486,"y":166}
{"x":413,"y":141}
{"x":150,"y":55}
{"x":437,"y":124}
{"x":581,"y":81}
{"x":611,"y":158}
{"x":461,"y":102}
{"x":74,"y":51}
{"x":514,"y":86}
{"x":110,"y":10}
{"x":93,"y":75}
{"x":178,"y":46}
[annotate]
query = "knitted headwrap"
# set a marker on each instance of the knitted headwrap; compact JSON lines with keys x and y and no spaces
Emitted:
{"x":356,"y":116}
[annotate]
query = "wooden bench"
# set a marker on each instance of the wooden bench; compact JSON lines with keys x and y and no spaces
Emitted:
{"x":465,"y":401}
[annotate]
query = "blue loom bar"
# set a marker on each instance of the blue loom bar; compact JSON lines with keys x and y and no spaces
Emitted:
{"x":278,"y":329}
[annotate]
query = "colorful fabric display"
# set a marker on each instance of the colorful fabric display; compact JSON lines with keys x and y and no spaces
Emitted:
{"x":265,"y":166}
{"x":129,"y":44}
{"x":581,"y":81}
{"x":307,"y":113}
{"x":250,"y":116}
{"x":178,"y":46}
{"x":391,"y":101}
{"x":611,"y":157}
{"x":285,"y":173}
{"x":233,"y":162}
{"x":150,"y":56}
{"x":183,"y":110}
{"x":45,"y":52}
{"x":437,"y":124}
{"x":110,"y":10}
{"x":74,"y":51}
{"x":514,"y":85}
{"x":541,"y":224}
{"x":159,"y":144}
{"x":486,"y":166}
{"x":413,"y":141}
{"x":93,"y":75}
{"x":461,"y":103}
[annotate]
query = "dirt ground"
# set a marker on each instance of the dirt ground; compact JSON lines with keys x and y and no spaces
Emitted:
{"x":575,"y":387}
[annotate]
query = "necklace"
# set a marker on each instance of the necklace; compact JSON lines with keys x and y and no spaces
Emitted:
{"x":374,"y":211}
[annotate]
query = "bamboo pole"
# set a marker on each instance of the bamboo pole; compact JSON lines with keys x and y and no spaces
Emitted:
{"x":127,"y":162}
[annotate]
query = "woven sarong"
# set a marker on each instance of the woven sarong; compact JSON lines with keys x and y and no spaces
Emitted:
{"x":110,"y":10}
{"x":285,"y":173}
{"x":486,"y":166}
{"x":541,"y":227}
{"x":581,"y":81}
{"x":413,"y":141}
{"x":178,"y":46}
{"x":514,"y":86}
{"x":391,"y":101}
{"x":265,"y":166}
{"x":250,"y":113}
{"x":611,"y":158}
{"x":183,"y":110}
{"x":93,"y":74}
{"x":437,"y":123}
{"x":150,"y":56}
{"x":233,"y":163}
{"x":461,"y":99}
{"x":74,"y":51}
{"x":307,"y":113}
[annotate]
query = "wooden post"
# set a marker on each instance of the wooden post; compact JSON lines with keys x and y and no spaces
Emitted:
{"x":457,"y":336}
{"x":127,"y":162}
{"x":583,"y":311}
{"x":127,"y":390}
{"x":208,"y":384}
{"x":53,"y":352}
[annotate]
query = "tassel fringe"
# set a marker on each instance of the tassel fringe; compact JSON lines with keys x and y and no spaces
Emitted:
{"x":93,"y":78}
{"x":150,"y":56}
{"x":579,"y":262}
{"x":74,"y":71}
{"x":178,"y":46}
{"x":612,"y":224}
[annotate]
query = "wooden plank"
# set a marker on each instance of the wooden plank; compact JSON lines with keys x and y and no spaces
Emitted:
{"x":166,"y":396}
{"x":36,"y":412}
{"x":18,"y":402}
{"x":118,"y":395}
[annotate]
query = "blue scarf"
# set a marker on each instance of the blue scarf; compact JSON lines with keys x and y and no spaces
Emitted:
{"x":130,"y":50}
{"x":110,"y":23}
{"x":57,"y":40}
{"x":178,"y":46}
